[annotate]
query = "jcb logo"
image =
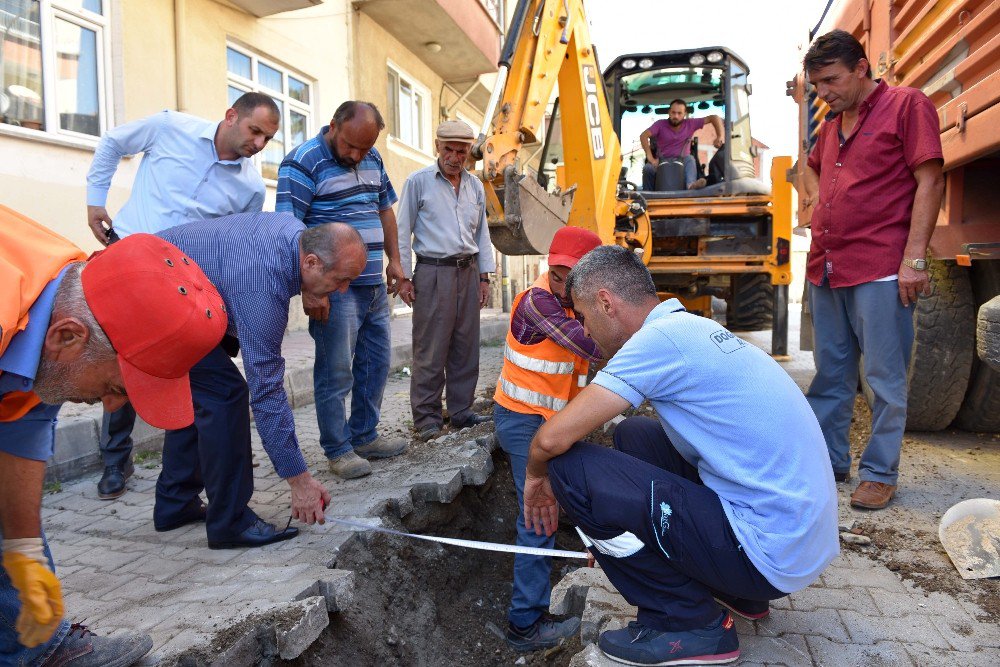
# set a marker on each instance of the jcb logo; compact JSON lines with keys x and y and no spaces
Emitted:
{"x":726,"y":341}
{"x":593,"y":111}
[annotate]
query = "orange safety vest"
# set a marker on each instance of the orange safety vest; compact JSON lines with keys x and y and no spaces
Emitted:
{"x":539,"y":379}
{"x":31,"y":255}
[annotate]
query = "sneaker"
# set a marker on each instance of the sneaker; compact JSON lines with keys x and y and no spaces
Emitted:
{"x":82,"y":648}
{"x":638,"y":645}
{"x":350,"y":466}
{"x":751,"y":610}
{"x":872,"y":495}
{"x":543,"y":633}
{"x":113,"y":480}
{"x":380,"y":448}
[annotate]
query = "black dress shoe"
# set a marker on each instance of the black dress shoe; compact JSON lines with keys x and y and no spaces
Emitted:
{"x":471,"y":421}
{"x":113,"y":480}
{"x":257,"y":535}
{"x":191,"y":514}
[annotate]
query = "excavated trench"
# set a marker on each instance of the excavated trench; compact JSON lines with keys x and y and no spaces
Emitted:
{"x":418,"y":603}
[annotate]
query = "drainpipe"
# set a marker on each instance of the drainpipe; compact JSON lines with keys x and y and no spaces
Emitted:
{"x":180,"y":18}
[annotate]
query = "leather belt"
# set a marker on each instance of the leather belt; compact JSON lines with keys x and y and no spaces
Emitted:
{"x":458,"y":261}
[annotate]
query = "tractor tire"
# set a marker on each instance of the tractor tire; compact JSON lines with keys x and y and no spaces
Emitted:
{"x":751,"y":303}
{"x":981,"y":408}
{"x":943,"y":349}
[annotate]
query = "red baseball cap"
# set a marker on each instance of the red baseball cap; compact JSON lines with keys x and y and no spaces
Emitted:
{"x":570,"y":244}
{"x":162,"y":315}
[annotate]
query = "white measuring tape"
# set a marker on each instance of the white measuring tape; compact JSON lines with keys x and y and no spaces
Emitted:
{"x":469,"y":544}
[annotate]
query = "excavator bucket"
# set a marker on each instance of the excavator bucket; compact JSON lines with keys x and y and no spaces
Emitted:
{"x":531,"y":216}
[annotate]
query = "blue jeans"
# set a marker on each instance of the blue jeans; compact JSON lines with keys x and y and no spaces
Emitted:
{"x":532,"y":588}
{"x":870,"y":320}
{"x":352,"y":357}
{"x":12,"y":652}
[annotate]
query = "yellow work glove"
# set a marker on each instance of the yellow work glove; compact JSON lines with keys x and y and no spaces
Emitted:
{"x":37,"y":588}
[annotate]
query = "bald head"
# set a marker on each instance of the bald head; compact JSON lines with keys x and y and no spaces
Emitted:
{"x":331,"y":256}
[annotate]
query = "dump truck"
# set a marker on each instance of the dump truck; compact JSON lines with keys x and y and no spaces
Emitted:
{"x":731,"y":239}
{"x":949,"y":49}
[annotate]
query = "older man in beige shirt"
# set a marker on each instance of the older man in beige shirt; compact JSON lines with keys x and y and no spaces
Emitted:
{"x":442,"y":219}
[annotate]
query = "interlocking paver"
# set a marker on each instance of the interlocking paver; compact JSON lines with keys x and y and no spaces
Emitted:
{"x":826,"y":653}
{"x":790,"y":650}
{"x":815,"y":597}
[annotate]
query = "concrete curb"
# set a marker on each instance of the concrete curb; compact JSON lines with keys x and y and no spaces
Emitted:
{"x":77,"y":447}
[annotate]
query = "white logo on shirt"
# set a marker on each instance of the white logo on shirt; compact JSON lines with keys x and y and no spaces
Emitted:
{"x":727,"y":342}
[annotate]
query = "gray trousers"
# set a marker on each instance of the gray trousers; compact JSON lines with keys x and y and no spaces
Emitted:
{"x":445,"y":342}
{"x":869,"y":320}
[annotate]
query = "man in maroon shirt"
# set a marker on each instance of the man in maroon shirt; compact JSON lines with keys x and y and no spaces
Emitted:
{"x":875,"y":180}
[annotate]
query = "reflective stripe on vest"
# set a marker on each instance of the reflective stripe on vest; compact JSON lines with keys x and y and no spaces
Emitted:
{"x":537,"y":365}
{"x":531,"y":397}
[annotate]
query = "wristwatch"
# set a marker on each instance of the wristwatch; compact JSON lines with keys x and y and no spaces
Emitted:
{"x":916,"y":264}
{"x":485,"y":280}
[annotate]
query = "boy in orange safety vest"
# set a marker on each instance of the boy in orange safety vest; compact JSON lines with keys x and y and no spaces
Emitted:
{"x":545,"y":365}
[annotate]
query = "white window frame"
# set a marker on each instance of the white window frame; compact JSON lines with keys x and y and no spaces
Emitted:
{"x":288,"y":103}
{"x":424,"y":146}
{"x":49,"y":11}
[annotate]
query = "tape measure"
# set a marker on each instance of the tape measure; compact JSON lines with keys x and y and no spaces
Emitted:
{"x":468,"y":544}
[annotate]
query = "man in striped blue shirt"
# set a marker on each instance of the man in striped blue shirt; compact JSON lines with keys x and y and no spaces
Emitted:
{"x":258,"y":262}
{"x":338,"y":176}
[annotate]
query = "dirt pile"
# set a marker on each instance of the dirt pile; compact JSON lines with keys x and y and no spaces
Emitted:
{"x":424,"y":604}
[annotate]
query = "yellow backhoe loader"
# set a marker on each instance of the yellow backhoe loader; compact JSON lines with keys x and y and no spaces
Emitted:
{"x":730,"y":239}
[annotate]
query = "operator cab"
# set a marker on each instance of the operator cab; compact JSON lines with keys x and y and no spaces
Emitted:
{"x":712,"y":82}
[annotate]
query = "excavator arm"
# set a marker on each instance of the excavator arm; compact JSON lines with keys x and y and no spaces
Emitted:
{"x":548,"y":44}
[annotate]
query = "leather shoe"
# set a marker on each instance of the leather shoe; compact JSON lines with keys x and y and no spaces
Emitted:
{"x":113,"y":480}
{"x":257,"y":535}
{"x":190,"y":514}
{"x":471,"y":421}
{"x":429,"y":433}
{"x":841,"y":477}
{"x":872,"y":495}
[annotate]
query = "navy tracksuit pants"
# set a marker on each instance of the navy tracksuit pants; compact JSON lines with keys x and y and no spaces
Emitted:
{"x":660,"y":535}
{"x":212,"y":454}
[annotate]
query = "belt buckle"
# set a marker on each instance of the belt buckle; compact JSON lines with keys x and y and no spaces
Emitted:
{"x":463,"y":262}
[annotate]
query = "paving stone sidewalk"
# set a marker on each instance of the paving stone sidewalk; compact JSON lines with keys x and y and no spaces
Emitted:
{"x":118,"y":574}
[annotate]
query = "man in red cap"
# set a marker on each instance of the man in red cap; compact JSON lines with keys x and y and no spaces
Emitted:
{"x":545,"y":365}
{"x":125,"y":326}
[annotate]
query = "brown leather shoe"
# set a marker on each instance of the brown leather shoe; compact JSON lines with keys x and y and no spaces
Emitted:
{"x":872,"y":495}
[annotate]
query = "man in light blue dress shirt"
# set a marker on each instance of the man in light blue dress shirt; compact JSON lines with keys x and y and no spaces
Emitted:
{"x":192,"y":169}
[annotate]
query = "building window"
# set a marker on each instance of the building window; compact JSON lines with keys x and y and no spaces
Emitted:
{"x":248,"y":72}
{"x":408,"y":105}
{"x":53,"y":67}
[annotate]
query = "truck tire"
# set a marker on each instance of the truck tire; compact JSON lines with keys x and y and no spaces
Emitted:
{"x":943,"y":349}
{"x":981,"y":408}
{"x":751,"y":303}
{"x":988,"y":333}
